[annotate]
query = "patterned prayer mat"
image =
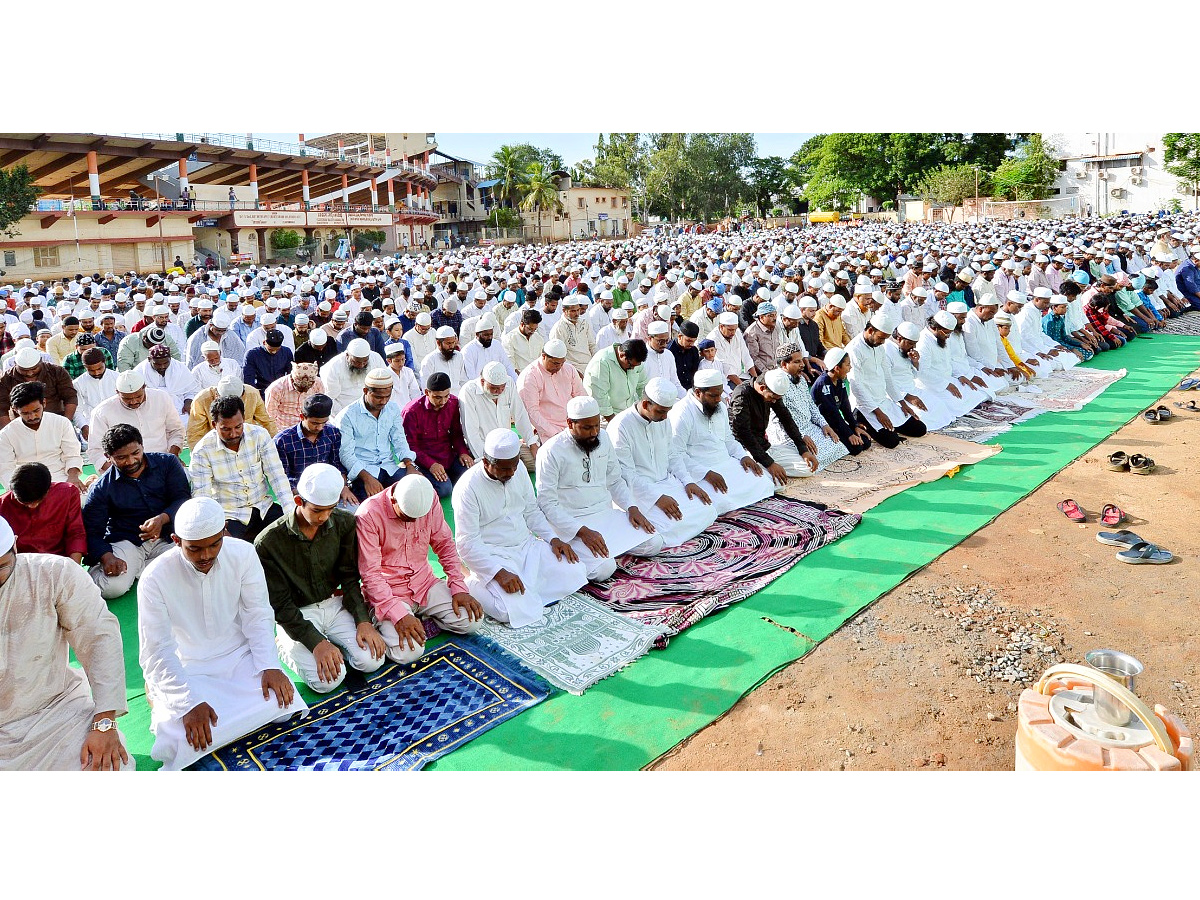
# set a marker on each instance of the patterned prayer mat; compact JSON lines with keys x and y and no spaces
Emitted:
{"x":1187,"y":324}
{"x":1070,"y":390}
{"x":740,"y":553}
{"x":406,"y":716}
{"x":577,"y":644}
{"x":989,"y":419}
{"x":857,"y":483}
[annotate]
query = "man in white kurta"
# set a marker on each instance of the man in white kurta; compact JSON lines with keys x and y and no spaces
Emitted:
{"x":1028,"y":321}
{"x":54,"y":716}
{"x":660,"y":362}
{"x":214,"y":366}
{"x":489,"y":402}
{"x":574,"y":331}
{"x":150,"y":411}
{"x":518,"y":564}
{"x":935,"y":377}
{"x":983,"y":345}
{"x":585,"y":497}
{"x":207,"y":636}
{"x":345,"y":375}
{"x":34,"y":435}
{"x":172,"y":376}
{"x":871,"y":388}
{"x":714,"y":458}
{"x":904,"y":361}
{"x":447,"y":358}
{"x":654,"y":467}
{"x":485,"y":348}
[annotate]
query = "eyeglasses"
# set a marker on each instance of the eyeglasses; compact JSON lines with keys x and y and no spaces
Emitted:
{"x":587,"y":468}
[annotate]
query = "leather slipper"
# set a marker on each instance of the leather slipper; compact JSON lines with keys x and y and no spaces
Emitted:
{"x":1112,"y":515}
{"x":1071,"y":510}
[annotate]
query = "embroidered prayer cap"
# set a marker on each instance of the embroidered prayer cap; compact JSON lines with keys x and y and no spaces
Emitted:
{"x":708,"y":378}
{"x":379,"y":378}
{"x":500,"y":443}
{"x":764,"y":309}
{"x":620,"y":314}
{"x":583,"y":407}
{"x":321,"y":484}
{"x":210,"y":347}
{"x":230,"y":386}
{"x":661,"y":392}
{"x":785,"y":350}
{"x":392,"y":349}
{"x":834,"y":357}
{"x":199,"y":518}
{"x":658,"y":328}
{"x":160,"y":351}
{"x":555,"y":349}
{"x":130,"y":381}
{"x":777,"y":381}
{"x":1003,"y":319}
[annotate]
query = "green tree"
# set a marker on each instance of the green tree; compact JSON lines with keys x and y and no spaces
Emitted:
{"x":367,"y":239}
{"x":17,"y":194}
{"x":540,"y":192}
{"x":951,"y":184}
{"x":503,"y":217}
{"x":1028,"y":174}
{"x":768,"y":177}
{"x":665,"y":173}
{"x":285,"y":239}
{"x":1181,"y":157}
{"x":508,"y":164}
{"x":716,"y":165}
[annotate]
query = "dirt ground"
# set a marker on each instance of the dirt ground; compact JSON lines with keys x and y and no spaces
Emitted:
{"x":929,"y":675}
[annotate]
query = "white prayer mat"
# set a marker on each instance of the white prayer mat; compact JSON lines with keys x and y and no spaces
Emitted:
{"x":857,"y":483}
{"x":1070,"y":390}
{"x":578,"y":642}
{"x":1188,"y":325}
{"x":990,"y":419}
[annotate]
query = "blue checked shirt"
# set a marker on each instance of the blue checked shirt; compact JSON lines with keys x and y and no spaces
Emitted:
{"x":297,"y":452}
{"x":372,"y":444}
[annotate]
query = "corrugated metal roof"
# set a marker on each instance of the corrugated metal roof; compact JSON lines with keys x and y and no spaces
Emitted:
{"x":487,"y":184}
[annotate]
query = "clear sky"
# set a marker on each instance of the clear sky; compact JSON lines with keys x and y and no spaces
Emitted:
{"x":573,"y":146}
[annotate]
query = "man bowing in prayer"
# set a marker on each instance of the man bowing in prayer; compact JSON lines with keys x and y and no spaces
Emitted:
{"x":518,"y":564}
{"x":579,"y":479}
{"x":655,"y":467}
{"x":51,"y":715}
{"x":750,"y":411}
{"x":396,"y":530}
{"x":207,"y":636}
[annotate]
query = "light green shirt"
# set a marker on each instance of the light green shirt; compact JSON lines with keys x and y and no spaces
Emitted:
{"x":614,"y":388}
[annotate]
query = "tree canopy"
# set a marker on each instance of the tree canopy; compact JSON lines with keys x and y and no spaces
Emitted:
{"x":17,"y":194}
{"x":1028,"y":174}
{"x":1181,"y":157}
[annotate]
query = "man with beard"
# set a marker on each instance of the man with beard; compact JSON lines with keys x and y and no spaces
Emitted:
{"x":1027,"y":320}
{"x":433,"y":429}
{"x":517,"y":563}
{"x":363,"y":328}
{"x":732,"y":349}
{"x":213,"y":367}
{"x":546,"y":387}
{"x":963,"y":364}
{"x":163,"y":373}
{"x":219,"y":331}
{"x":936,"y":377}
{"x":346,"y":374}
{"x":374,"y":443}
{"x":574,"y":331}
{"x":750,"y":410}
{"x":871,"y":387}
{"x":799,"y":402}
{"x":447,"y":360}
{"x":982,"y":342}
{"x":484,"y":349}
{"x":149,"y":410}
{"x":616,"y":332}
{"x":490,"y":402}
{"x":204,"y":314}
{"x":524,"y":343}
{"x":129,"y":511}
{"x":705,"y":318}
{"x":714,"y":458}
{"x":579,"y":480}
{"x":319,"y":349}
{"x":286,"y":396}
{"x":904,"y":363}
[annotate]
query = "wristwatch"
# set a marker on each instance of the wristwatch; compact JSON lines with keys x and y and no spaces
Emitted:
{"x":105,"y":724}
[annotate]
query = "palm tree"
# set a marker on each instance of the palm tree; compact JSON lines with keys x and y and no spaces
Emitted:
{"x":541,"y":192}
{"x":508,"y":165}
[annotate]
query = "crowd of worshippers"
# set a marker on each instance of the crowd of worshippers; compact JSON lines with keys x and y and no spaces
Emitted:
{"x":650,"y":386}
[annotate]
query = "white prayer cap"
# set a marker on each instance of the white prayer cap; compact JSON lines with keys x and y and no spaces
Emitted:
{"x":270,"y":319}
{"x":942,"y":286}
{"x":199,"y":518}
{"x":1003,"y":319}
{"x":442,"y":333}
{"x":791,"y":288}
{"x":1059,"y":300}
{"x":837,"y":301}
{"x":321,"y":484}
{"x":1019,"y":296}
{"x":646,"y":282}
{"x":414,"y":495}
{"x":763,"y":293}
{"x":129,"y":381}
{"x":863,"y":289}
{"x":658,"y":328}
{"x":708,"y":378}
{"x":908,"y":331}
{"x":486,"y":323}
{"x":778,"y":381}
{"x":500,"y":443}
{"x":661,"y":392}
{"x":620,"y":313}
{"x":790,"y":311}
{"x":833,"y":357}
{"x":7,"y":538}
{"x":920,"y":292}
{"x":319,"y":337}
{"x":805,"y":302}
{"x":230,"y":386}
{"x":379,"y":378}
{"x":222,"y":319}
{"x":425,"y":319}
{"x":302,"y":319}
{"x":727,"y":318}
{"x":966,"y":274}
{"x":944,"y":319}
{"x":987,"y":300}
{"x":210,"y":347}
{"x":582,"y":407}
{"x":509,"y":297}
{"x":1043,"y":292}
{"x":494,"y":373}
{"x":28,"y":357}
{"x":393,"y":348}
{"x":246,"y":310}
{"x":959,"y":307}
{"x":880,"y":323}
{"x":358,"y":348}
{"x":555,"y":348}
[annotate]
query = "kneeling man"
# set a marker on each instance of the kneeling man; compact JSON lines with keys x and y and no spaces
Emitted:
{"x":207,"y":638}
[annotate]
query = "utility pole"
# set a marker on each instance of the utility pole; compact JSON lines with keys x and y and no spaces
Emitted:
{"x":158,"y":208}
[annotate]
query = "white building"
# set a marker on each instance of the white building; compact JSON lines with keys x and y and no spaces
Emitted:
{"x":1114,"y":171}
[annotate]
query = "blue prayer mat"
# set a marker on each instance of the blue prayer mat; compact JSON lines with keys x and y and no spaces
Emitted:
{"x":406,"y":716}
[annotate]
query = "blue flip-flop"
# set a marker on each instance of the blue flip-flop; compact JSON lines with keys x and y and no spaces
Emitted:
{"x":1189,"y":384}
{"x":1122,"y":538}
{"x":1145,"y":553}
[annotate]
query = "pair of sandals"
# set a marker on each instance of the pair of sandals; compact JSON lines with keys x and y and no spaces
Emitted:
{"x":1135,"y":550}
{"x":1189,"y":384}
{"x":1138,"y":463}
{"x":1190,"y":406}
{"x":1111,"y":515}
{"x":1157,"y":415}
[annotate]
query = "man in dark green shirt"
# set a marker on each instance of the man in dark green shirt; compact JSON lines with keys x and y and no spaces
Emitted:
{"x":310,"y":557}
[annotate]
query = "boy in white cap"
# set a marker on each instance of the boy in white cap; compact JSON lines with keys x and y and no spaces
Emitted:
{"x":310,"y":560}
{"x":396,"y":530}
{"x":54,"y":716}
{"x":655,"y":468}
{"x":518,"y":563}
{"x":207,"y":641}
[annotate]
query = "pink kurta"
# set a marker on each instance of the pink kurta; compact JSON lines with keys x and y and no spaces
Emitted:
{"x":546,"y":396}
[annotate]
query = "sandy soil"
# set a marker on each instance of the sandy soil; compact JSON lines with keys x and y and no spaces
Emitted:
{"x":917,"y":680}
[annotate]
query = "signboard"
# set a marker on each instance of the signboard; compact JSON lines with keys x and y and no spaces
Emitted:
{"x":602,"y":216}
{"x":362,"y":220}
{"x":327,"y":218}
{"x":264,"y":218}
{"x":205,"y":223}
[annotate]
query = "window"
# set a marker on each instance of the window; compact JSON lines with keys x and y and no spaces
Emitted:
{"x":582,"y":203}
{"x":45,"y":257}
{"x":624,"y":201}
{"x":614,"y":202}
{"x":10,"y":258}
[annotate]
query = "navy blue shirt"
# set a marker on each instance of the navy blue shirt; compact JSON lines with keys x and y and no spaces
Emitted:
{"x":117,"y":505}
{"x":687,"y":361}
{"x":833,"y":401}
{"x":262,"y":367}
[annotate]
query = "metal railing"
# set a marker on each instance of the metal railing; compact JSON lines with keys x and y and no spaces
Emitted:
{"x":218,"y":206}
